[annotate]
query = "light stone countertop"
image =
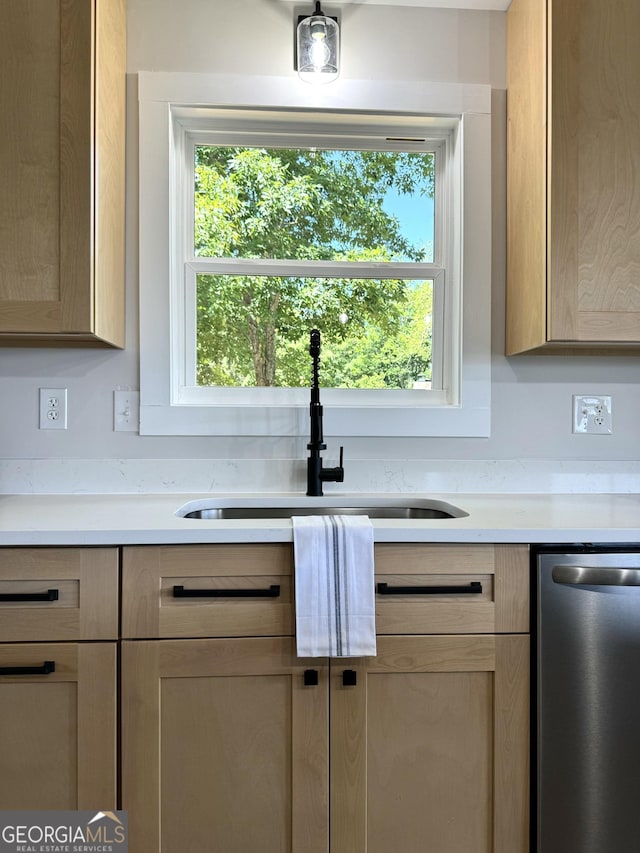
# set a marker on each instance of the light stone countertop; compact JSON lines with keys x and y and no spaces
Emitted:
{"x":38,"y":520}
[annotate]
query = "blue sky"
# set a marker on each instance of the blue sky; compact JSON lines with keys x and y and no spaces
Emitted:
{"x":415,"y":213}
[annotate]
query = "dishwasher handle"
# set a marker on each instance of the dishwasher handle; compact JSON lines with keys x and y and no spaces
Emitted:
{"x":595,"y":576}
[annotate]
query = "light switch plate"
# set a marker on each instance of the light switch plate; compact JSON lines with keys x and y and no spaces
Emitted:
{"x":126,"y":411}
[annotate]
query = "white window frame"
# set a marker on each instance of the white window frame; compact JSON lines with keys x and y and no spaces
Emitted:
{"x":175,"y":112}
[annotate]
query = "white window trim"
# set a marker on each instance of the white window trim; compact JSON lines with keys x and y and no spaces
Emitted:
{"x":161,"y":414}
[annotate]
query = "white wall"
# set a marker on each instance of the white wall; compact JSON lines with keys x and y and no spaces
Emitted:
{"x":532,"y":395}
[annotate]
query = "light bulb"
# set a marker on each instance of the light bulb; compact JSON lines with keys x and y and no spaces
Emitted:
{"x":319,"y":53}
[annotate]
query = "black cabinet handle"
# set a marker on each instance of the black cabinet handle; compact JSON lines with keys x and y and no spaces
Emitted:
{"x":310,"y":678}
{"x":49,"y":595}
{"x":47,"y":668}
{"x":272,"y":592}
{"x":473,"y":588}
{"x":349,"y":678}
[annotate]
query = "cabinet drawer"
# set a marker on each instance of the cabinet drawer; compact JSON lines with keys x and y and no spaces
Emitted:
{"x":207,"y":591}
{"x":451,"y":589}
{"x":58,"y":594}
{"x":247,"y":590}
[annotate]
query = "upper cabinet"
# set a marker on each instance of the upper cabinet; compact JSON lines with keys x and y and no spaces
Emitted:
{"x":62,"y":160}
{"x":573,"y":185}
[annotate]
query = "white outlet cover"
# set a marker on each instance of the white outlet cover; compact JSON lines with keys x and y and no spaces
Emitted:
{"x":53,"y":408}
{"x":592,"y":415}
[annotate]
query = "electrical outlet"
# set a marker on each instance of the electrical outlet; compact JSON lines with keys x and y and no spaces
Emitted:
{"x":53,"y":408}
{"x":592,"y":415}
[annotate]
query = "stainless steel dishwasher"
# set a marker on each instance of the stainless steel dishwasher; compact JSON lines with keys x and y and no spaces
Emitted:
{"x":587,"y":700}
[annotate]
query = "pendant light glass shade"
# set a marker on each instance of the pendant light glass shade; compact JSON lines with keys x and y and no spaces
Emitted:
{"x":318,"y":48}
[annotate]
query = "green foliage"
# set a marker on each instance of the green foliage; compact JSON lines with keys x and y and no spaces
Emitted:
{"x":381,"y":361}
{"x":307,"y":205}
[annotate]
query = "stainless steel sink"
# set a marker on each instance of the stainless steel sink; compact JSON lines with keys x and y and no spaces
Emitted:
{"x":414,"y":509}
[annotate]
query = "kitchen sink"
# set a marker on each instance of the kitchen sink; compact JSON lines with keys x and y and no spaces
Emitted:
{"x":278,"y":508}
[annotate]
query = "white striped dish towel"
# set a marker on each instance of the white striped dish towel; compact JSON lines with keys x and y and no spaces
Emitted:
{"x":334,"y":586}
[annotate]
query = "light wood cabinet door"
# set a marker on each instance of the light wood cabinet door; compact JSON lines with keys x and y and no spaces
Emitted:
{"x":224,"y":747}
{"x":429,"y":747}
{"x":58,"y":594}
{"x":233,"y":590}
{"x":58,"y":726}
{"x":573,"y":154}
{"x":62,"y":96}
{"x":451,"y":589}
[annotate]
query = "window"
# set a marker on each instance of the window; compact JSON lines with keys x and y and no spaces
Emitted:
{"x":338,"y":233}
{"x":344,"y":215}
{"x":261,"y":223}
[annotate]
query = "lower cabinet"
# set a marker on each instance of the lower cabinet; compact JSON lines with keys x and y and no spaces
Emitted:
{"x":229,"y":741}
{"x":58,"y":726}
{"x":429,"y":746}
{"x":58,"y":680}
{"x":237,"y":745}
{"x":232,"y":743}
{"x":224,"y":747}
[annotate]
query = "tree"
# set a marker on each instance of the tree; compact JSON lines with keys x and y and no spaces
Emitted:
{"x":382,"y":361}
{"x":301,"y":205}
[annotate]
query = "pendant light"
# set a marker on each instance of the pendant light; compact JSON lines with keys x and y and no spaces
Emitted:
{"x":318,"y":47}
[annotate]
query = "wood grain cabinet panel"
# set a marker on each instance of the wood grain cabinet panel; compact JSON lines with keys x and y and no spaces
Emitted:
{"x":573,"y":156}
{"x":451,"y":589}
{"x":429,"y":747}
{"x":58,"y":594}
{"x":151,"y":609}
{"x":58,"y":728}
{"x":224,"y":747}
{"x":62,"y":159}
{"x":234,"y":743}
{"x":58,"y":700}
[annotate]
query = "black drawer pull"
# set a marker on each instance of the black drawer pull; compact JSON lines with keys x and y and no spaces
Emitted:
{"x":272,"y":592}
{"x":47,"y":668}
{"x":49,"y":595}
{"x":310,"y":678}
{"x":349,"y":678}
{"x":474,"y":588}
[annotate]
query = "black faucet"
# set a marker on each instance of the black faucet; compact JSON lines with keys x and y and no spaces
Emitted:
{"x":317,"y":474}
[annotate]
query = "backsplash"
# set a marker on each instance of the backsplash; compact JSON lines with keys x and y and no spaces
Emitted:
{"x":260,"y":476}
